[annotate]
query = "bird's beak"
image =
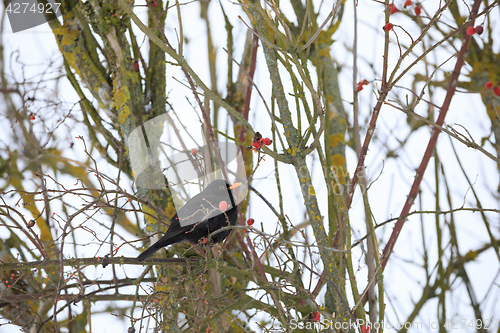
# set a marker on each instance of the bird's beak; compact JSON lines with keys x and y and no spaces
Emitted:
{"x":235,"y":185}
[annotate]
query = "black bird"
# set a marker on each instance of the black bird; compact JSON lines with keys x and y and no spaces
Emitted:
{"x":203,"y":214}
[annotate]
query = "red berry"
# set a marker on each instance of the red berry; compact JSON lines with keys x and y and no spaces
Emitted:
{"x":194,"y":152}
{"x":392,"y":8}
{"x":365,"y":328}
{"x":250,"y":221}
{"x":387,"y":27}
{"x":256,"y":144}
{"x":362,"y":83}
{"x":267,"y":141}
{"x":135,"y":65}
{"x":488,"y":85}
{"x":496,"y":90}
{"x":471,"y":31}
{"x":407,"y":3}
{"x":32,"y":117}
{"x":315,"y":316}
{"x":223,"y":205}
{"x":153,"y":3}
{"x":418,"y":10}
{"x":479,"y":29}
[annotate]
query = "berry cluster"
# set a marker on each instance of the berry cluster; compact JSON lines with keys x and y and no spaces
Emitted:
{"x":314,"y":316}
{"x":474,"y":30}
{"x":258,"y":141}
{"x":393,"y":10}
{"x":496,"y":89}
{"x":417,"y":9}
{"x":361,"y":84}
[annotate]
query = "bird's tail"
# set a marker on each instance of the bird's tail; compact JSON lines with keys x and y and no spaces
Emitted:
{"x":154,"y":248}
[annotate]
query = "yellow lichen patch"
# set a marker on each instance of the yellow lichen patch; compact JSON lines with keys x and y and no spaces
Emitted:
{"x":71,"y":59}
{"x":338,"y":118}
{"x":491,"y":111}
{"x":333,"y":112}
{"x":335,"y":139}
{"x":162,"y":287}
{"x":149,"y":216}
{"x":149,"y":229}
{"x":311,"y":191}
{"x":125,"y":151}
{"x":134,"y":77}
{"x":471,"y":255}
{"x":124,"y":113}
{"x":67,"y":35}
{"x":120,"y":97}
{"x":163,"y":295}
{"x":338,"y":160}
{"x":324,"y":52}
{"x":170,"y":210}
{"x":292,"y":151}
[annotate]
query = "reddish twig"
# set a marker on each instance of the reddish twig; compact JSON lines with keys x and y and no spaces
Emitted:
{"x":384,"y":91}
{"x":248,"y":93}
{"x":432,"y":142}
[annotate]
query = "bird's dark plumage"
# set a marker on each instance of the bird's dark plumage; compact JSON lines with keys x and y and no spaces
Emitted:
{"x":199,"y":217}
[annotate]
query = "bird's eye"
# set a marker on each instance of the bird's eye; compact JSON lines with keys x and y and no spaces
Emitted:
{"x":221,"y":187}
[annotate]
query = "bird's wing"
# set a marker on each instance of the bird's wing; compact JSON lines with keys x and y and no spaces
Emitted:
{"x":200,"y":208}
